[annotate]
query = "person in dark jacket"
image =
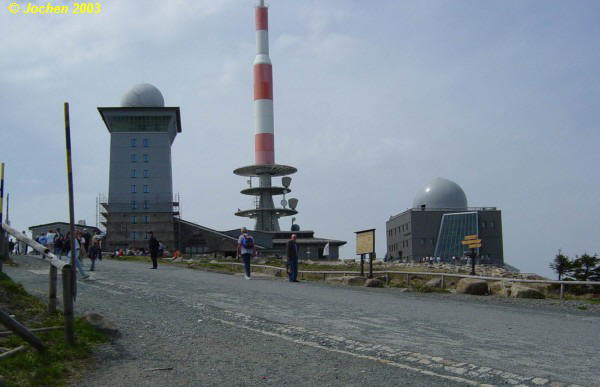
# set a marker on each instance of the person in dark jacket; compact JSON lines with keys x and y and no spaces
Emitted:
{"x":153,"y":246}
{"x":291,"y":250}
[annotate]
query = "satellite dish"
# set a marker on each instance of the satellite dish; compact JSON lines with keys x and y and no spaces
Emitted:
{"x":286,"y":181}
{"x":283,"y":203}
{"x":293,"y":203}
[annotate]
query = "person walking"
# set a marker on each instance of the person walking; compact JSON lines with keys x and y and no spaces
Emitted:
{"x":153,"y":246}
{"x":77,"y":245}
{"x":50,"y":235}
{"x":246,"y":249}
{"x":291,"y":250}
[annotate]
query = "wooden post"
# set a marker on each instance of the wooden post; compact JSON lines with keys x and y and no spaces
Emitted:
{"x":73,"y":285}
{"x":52,"y":289}
{"x":387,"y":278}
{"x":2,"y":241}
{"x":562,"y":291}
{"x":443,"y":284}
{"x":362,"y":265}
{"x":407,"y":280}
{"x":68,"y":305}
{"x":21,"y":331}
{"x":371,"y":257}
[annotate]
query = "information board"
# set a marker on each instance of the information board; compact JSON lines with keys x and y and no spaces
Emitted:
{"x":365,"y":242}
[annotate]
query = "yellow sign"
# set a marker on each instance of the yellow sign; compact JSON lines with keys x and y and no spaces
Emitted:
{"x":475,"y":246}
{"x":471,"y":241}
{"x":470,"y":237}
{"x":365,"y":242}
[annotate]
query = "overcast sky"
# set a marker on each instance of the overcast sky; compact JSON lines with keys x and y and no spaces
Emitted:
{"x":372,"y":100}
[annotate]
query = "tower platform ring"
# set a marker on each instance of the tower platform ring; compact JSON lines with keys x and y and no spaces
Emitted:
{"x":256,"y":191}
{"x":279,"y":212}
{"x":272,"y":170}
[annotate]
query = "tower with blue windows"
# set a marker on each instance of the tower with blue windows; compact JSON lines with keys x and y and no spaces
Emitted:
{"x":140,"y":194}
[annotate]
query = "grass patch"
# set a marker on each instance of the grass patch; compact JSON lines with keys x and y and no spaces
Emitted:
{"x":582,"y":307}
{"x":59,"y":361}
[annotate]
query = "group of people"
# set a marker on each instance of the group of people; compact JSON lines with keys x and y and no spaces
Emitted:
{"x":84,"y":245}
{"x":246,"y":249}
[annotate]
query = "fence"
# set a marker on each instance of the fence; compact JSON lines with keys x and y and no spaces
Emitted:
{"x":67,"y":287}
{"x":408,"y":274}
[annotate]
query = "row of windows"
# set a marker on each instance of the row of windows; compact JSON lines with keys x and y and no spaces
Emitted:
{"x":133,"y":157}
{"x":135,"y":235}
{"x":145,"y":219}
{"x":396,"y":246}
{"x":484,"y":224}
{"x":134,"y":173}
{"x":145,"y":142}
{"x":398,"y":230}
{"x":134,"y":205}
{"x":145,"y":187}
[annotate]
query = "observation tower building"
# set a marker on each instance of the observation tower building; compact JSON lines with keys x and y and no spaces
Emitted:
{"x":264,"y":169}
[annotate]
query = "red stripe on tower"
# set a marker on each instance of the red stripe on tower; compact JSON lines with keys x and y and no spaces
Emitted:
{"x":262,"y":18}
{"x":263,"y":81}
{"x":264,"y":148}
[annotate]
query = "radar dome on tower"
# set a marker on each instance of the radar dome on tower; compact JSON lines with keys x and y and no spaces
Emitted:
{"x":143,"y":95}
{"x":441,"y":193}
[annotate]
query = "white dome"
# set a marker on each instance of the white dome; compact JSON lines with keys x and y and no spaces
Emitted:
{"x":441,"y":193}
{"x":143,"y":95}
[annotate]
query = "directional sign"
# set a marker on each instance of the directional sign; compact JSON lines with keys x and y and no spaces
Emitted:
{"x":471,"y":241}
{"x":470,"y":237}
{"x":475,"y":246}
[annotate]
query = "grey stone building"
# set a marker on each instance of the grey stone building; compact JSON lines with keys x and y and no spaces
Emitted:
{"x":63,"y":227}
{"x":437,"y":223}
{"x":140,"y":193}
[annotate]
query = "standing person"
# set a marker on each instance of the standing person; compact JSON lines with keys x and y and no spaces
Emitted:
{"x":153,"y":246}
{"x":246,"y":249}
{"x":77,"y":244}
{"x":87,"y":242}
{"x":23,"y":245}
{"x":95,"y":250}
{"x":291,"y":250}
{"x":50,"y":235}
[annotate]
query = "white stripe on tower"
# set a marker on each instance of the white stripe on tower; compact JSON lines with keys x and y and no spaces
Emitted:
{"x":264,"y":142}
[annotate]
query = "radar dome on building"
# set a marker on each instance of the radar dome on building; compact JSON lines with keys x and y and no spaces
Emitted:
{"x":143,"y":95}
{"x":441,"y":193}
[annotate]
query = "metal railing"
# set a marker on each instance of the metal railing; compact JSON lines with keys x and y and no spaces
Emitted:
{"x":408,"y":274}
{"x":67,"y":286}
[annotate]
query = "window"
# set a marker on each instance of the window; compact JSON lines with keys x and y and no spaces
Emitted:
{"x":133,"y":188}
{"x":145,"y":157}
{"x":133,"y":158}
{"x":492,"y":224}
{"x":146,"y":219}
{"x":133,"y":142}
{"x":146,"y":205}
{"x":422,"y":242}
{"x":133,"y":173}
{"x":133,"y":205}
{"x":146,"y":188}
{"x":146,"y":142}
{"x":132,"y":235}
{"x":133,"y":220}
{"x":146,"y":235}
{"x":146,"y":173}
{"x":483,"y":224}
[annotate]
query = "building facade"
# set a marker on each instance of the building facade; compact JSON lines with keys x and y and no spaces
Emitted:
{"x":437,"y":223}
{"x":140,"y":193}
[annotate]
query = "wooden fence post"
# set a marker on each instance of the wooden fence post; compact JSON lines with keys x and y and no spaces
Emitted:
{"x":562,"y":291}
{"x":68,"y":305}
{"x":52,"y":289}
{"x":21,"y":331}
{"x":407,"y":280}
{"x":443,"y":282}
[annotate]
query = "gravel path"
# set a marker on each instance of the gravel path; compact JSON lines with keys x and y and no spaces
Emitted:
{"x":217,"y":329}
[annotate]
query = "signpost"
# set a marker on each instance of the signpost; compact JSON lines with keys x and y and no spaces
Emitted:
{"x":365,"y":244}
{"x":473,"y":242}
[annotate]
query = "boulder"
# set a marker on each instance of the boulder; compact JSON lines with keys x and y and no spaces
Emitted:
{"x":500,"y":288}
{"x":374,"y":283}
{"x":434,"y":283}
{"x":472,"y":286}
{"x":521,"y":291}
{"x":101,"y":324}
